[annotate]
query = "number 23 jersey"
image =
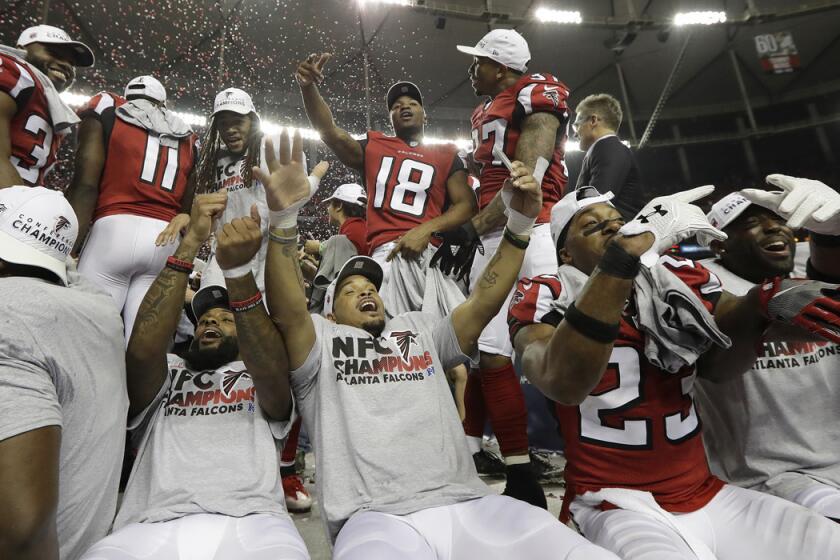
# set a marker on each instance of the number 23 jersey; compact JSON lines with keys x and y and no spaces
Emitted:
{"x":638,"y":428}
{"x":406,"y":185}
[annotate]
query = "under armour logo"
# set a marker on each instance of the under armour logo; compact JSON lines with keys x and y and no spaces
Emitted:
{"x":657,"y":210}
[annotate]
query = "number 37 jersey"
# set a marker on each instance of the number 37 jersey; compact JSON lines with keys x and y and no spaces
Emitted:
{"x":638,"y":428}
{"x":406,"y":185}
{"x":144,"y":174}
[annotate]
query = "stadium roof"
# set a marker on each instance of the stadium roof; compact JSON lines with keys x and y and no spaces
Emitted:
{"x":198,"y":46}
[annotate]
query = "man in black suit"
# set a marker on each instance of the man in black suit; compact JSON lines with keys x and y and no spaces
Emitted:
{"x":608,"y":164}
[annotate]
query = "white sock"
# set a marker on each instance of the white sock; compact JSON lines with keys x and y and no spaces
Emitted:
{"x":473,"y":444}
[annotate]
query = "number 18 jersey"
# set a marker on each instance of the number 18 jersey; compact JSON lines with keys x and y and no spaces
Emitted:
{"x":406,"y":185}
{"x":638,"y":428}
{"x":144,"y":174}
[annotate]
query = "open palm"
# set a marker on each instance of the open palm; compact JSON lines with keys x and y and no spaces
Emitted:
{"x":286,"y":185}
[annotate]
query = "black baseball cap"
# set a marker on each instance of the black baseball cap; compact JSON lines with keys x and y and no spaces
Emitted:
{"x":403,"y":88}
{"x":207,"y":298}
{"x":361,"y":265}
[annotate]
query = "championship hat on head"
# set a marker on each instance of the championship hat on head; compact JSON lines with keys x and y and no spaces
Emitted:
{"x":350,"y":193}
{"x":364,"y":266}
{"x":725,"y":210}
{"x":233,"y":99}
{"x":146,"y":86}
{"x":403,"y":88}
{"x":575,"y":201}
{"x":504,"y":46}
{"x":55,"y":36}
{"x":38,"y":227}
{"x":207,"y":298}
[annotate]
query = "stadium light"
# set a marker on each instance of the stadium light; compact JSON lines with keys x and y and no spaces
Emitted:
{"x":549,"y":15}
{"x":394,"y":2}
{"x":699,"y":18}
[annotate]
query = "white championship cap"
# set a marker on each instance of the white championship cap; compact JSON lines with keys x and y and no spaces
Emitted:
{"x":233,"y":99}
{"x":349,"y":192}
{"x":725,"y":210}
{"x":56,"y":36}
{"x":147,"y":86}
{"x":38,"y":227}
{"x":564,"y":210}
{"x":505,"y":46}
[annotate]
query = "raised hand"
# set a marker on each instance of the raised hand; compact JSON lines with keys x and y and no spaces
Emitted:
{"x":522,"y":192}
{"x":672,"y":219}
{"x":239,"y":240}
{"x":177,"y":226}
{"x":287,"y":188}
{"x":802,"y":202}
{"x":311,"y":70}
{"x":206,"y":209}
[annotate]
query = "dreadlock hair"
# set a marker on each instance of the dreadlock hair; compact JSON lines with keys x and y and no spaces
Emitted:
{"x":211,"y":144}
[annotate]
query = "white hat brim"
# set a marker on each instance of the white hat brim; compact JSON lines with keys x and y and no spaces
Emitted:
{"x":14,"y":251}
{"x":472,"y":51}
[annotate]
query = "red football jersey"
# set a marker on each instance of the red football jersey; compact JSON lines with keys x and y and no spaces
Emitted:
{"x":406,"y":185}
{"x":144,"y":174}
{"x":638,"y":428}
{"x":34,"y":142}
{"x":356,"y":231}
{"x":498,"y":122}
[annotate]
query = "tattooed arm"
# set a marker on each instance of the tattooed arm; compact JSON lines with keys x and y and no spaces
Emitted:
{"x":538,"y":139}
{"x":260,"y":344}
{"x":157,"y":318}
{"x":501,"y":273}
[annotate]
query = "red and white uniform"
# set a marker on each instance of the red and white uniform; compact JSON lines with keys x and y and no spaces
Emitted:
{"x":406,"y":185}
{"x":498,"y":122}
{"x":144,"y":174}
{"x":639,"y":430}
{"x":143,"y":182}
{"x":34,"y":142}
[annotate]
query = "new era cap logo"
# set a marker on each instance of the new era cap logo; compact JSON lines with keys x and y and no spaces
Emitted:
{"x":2,"y":208}
{"x":359,"y":264}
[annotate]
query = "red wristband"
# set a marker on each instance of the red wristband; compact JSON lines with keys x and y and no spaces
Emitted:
{"x":246,"y":304}
{"x":179,"y":265}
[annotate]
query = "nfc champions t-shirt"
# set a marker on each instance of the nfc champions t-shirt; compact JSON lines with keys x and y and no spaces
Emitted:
{"x":774,"y":428}
{"x":380,"y":413}
{"x":206,"y":447}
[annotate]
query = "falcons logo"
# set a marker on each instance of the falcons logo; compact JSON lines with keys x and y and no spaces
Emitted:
{"x":518,"y":296}
{"x":230,"y":378}
{"x":552,"y":95}
{"x":2,"y":208}
{"x":60,"y":224}
{"x":404,"y":340}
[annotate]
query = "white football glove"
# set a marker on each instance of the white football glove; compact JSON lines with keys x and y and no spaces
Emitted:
{"x":671,"y":219}
{"x":804,"y":203}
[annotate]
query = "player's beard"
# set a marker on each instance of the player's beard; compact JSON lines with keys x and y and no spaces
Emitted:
{"x":198,"y":358}
{"x":374,"y":326}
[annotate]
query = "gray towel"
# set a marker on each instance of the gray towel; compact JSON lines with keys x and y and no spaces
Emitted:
{"x":413,"y":285}
{"x":677,"y":326}
{"x":61,"y":115}
{"x":154,"y":118}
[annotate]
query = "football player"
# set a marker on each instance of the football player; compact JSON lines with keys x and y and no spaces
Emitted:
{"x":619,"y":346}
{"x":131,"y":179}
{"x":206,"y":482}
{"x":770,"y":428}
{"x":523,"y":115}
{"x":33,"y":118}
{"x":394,"y":475}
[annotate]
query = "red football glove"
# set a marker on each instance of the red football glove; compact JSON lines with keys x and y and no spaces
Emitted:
{"x":810,"y":304}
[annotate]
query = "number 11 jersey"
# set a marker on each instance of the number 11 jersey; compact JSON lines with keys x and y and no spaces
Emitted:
{"x":405,"y":184}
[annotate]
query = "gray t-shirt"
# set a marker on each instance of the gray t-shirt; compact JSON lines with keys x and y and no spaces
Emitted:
{"x":62,"y":363}
{"x":774,"y":428}
{"x":380,"y":413}
{"x":206,"y":447}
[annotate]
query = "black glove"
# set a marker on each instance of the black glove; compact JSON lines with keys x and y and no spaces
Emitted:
{"x":455,"y":255}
